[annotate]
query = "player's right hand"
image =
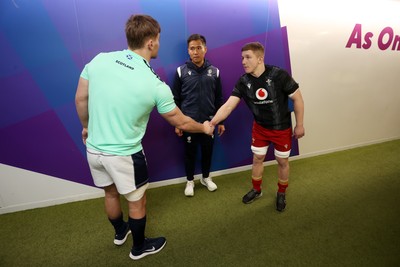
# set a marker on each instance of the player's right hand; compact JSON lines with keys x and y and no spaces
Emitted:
{"x":208,"y":128}
{"x":178,"y":132}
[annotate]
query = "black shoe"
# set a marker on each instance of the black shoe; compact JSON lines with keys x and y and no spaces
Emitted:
{"x":150,"y":246}
{"x":251,"y":196}
{"x":120,"y":239}
{"x":280,"y":201}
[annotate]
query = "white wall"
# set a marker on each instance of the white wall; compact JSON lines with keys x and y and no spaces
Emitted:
{"x":21,"y":189}
{"x":351,"y":95}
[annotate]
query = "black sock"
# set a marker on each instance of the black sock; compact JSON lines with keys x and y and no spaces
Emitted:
{"x":137,"y":227}
{"x":119,"y":224}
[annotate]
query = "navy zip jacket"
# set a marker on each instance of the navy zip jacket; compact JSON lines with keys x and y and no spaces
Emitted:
{"x":197,"y":90}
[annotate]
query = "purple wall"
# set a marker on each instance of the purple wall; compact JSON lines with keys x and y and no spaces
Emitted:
{"x":45,"y":44}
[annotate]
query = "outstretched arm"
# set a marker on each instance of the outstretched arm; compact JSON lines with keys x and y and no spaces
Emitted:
{"x":179,"y":120}
{"x":225,"y":110}
{"x":298,"y":104}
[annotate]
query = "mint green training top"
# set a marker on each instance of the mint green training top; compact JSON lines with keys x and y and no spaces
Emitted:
{"x":123,"y":90}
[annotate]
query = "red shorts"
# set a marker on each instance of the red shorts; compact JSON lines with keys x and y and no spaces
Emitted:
{"x":262,"y":138}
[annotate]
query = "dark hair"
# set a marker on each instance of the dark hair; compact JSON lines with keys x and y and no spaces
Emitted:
{"x":140,"y":28}
{"x":256,"y":47}
{"x":195,"y":37}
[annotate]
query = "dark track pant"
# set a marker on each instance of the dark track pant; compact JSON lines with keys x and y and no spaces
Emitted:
{"x":192,"y":142}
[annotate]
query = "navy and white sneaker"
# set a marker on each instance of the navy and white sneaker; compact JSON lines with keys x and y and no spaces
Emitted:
{"x":150,"y":246}
{"x":120,"y":239}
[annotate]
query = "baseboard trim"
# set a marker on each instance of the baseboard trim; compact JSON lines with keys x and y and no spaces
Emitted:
{"x":50,"y":202}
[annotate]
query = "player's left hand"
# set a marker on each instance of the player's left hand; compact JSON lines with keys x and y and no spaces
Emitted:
{"x":84,"y":135}
{"x":221,"y":129}
{"x":298,"y":132}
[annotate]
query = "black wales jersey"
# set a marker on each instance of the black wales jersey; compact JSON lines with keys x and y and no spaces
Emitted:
{"x":267,"y":96}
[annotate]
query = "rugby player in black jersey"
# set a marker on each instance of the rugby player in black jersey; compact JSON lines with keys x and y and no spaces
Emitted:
{"x":266,"y":91}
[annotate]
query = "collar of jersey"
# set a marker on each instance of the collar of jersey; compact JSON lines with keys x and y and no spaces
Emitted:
{"x":136,"y":56}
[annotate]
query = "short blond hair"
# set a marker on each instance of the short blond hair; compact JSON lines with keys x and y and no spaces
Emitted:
{"x":256,"y":47}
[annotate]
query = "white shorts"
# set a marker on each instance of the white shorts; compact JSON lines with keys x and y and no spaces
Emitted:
{"x":128,"y":173}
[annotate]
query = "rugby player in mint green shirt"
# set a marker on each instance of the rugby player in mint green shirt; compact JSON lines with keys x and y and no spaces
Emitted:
{"x":115,"y":95}
{"x":123,"y":93}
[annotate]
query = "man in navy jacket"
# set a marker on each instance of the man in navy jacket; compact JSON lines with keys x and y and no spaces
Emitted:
{"x":198,"y":93}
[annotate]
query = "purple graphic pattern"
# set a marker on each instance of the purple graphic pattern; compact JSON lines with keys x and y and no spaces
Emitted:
{"x":45,"y":44}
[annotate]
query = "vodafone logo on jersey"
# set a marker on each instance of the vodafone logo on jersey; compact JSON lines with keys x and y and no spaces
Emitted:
{"x":261,"y":94}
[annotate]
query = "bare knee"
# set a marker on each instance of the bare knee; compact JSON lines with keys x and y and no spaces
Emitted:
{"x":111,"y":191}
{"x":283,"y":162}
{"x":258,"y":159}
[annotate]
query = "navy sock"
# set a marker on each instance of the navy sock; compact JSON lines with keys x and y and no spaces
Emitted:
{"x":137,"y":227}
{"x":119,"y":224}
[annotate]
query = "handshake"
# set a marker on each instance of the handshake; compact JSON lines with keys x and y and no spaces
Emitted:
{"x":208,"y":128}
